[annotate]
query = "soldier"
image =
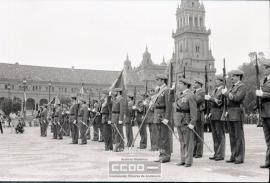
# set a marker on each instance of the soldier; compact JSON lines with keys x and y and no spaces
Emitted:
{"x":153,"y":129}
{"x":66,"y":126}
{"x":162,"y":116}
{"x":139,"y":115}
{"x":44,"y":118}
{"x":105,"y":116}
{"x":83,"y":117}
{"x":199,"y":126}
{"x":54,"y":123}
{"x":217,"y":126}
{"x":97,"y":122}
{"x":186,"y":117}
{"x":39,"y":120}
{"x":235,"y":97}
{"x":117,"y":119}
{"x":73,"y":118}
{"x":59,"y":121}
{"x":129,"y":120}
{"x":264,"y":93}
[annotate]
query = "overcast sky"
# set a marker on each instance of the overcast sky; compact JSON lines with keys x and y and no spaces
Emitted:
{"x":94,"y":34}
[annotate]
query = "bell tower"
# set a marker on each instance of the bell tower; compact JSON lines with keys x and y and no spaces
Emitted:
{"x":191,"y":40}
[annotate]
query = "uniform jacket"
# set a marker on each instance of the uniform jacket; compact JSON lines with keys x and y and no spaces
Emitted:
{"x":97,"y":108}
{"x":139,"y":111}
{"x":235,"y":109}
{"x":163,"y":106}
{"x":199,"y":98}
{"x":117,"y":108}
{"x":186,"y":108}
{"x":84,"y":113}
{"x":216,"y":108}
{"x":73,"y":112}
{"x":265,"y":99}
{"x":58,"y":115}
{"x":105,"y":111}
{"x":130,"y":114}
{"x":44,"y":114}
{"x":150,"y":115}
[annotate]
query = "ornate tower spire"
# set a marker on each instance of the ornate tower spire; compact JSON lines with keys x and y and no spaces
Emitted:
{"x":127,"y":64}
{"x":146,"y":58}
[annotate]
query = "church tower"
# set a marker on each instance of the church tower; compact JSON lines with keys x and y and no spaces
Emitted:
{"x":191,"y":40}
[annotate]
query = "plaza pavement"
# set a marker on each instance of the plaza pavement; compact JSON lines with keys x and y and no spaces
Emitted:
{"x":31,"y":157}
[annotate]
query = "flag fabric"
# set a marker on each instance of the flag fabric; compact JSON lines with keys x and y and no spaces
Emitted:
{"x":82,"y":91}
{"x":57,"y":101}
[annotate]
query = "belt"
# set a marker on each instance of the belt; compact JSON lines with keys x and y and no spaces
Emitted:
{"x":160,"y":107}
{"x":182,"y":111}
{"x":116,"y":112}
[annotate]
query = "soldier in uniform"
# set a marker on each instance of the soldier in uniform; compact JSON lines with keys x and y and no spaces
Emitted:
{"x":73,"y":118}
{"x":186,"y":117}
{"x":83,"y":117}
{"x":54,"y":123}
{"x":44,"y":118}
{"x":39,"y":120}
{"x":97,"y":126}
{"x":139,"y":115}
{"x":59,"y":121}
{"x":264,"y":93}
{"x":129,"y":120}
{"x":153,"y":129}
{"x":235,"y":97}
{"x":105,"y":119}
{"x":217,"y":126}
{"x":162,"y":116}
{"x":117,"y":119}
{"x":66,"y":127}
{"x":199,"y":126}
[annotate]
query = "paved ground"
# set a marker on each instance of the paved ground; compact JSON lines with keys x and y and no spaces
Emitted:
{"x":31,"y":157}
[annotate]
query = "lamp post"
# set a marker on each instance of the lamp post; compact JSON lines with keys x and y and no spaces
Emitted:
{"x":50,"y":85}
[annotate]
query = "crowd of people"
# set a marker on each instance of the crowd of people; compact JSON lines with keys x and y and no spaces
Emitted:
{"x":164,"y":109}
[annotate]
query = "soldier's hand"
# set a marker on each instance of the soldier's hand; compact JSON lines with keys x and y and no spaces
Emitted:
{"x":165,"y":121}
{"x":120,"y":122}
{"x":110,"y":93}
{"x":98,"y":113}
{"x":89,"y":109}
{"x":109,"y":122}
{"x":74,"y":122}
{"x":173,"y":86}
{"x":207,"y":97}
{"x":230,"y":96}
{"x":223,"y":91}
{"x":133,"y":107}
{"x":259,"y":93}
{"x":191,"y":126}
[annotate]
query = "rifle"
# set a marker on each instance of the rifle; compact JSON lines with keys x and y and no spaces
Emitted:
{"x":258,"y":99}
{"x":225,"y":108}
{"x":184,"y":73}
{"x":207,"y":109}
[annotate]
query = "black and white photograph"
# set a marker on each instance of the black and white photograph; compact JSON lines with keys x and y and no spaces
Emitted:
{"x":134,"y":90}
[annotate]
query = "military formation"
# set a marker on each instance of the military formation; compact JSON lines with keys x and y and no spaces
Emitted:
{"x":179,"y":110}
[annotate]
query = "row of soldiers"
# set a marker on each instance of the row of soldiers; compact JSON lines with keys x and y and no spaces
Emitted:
{"x":165,"y":109}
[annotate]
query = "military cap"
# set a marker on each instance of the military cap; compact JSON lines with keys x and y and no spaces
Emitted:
{"x":219,"y":77}
{"x":237,"y":72}
{"x":117,"y":89}
{"x":198,"y":80}
{"x":105,"y":92}
{"x":161,"y":76}
{"x":185,"y":81}
{"x":266,"y":62}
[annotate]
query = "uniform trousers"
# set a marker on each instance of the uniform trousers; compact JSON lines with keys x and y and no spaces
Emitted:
{"x":266,"y":130}
{"x":218,"y":134}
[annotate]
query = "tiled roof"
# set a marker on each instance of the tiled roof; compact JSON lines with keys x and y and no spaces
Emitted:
{"x":40,"y":73}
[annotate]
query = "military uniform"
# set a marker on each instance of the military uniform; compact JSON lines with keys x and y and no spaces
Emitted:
{"x":118,"y":115}
{"x":106,"y":116}
{"x":54,"y":124}
{"x":217,"y":126}
{"x":163,"y":111}
{"x":38,"y":117}
{"x":265,"y":115}
{"x":97,"y":125}
{"x":139,"y":115}
{"x":186,"y":113}
{"x":83,"y":117}
{"x":44,"y":121}
{"x":199,"y":126}
{"x":73,"y":118}
{"x":128,"y":121}
{"x":59,"y":122}
{"x":153,"y":127}
{"x":235,"y":120}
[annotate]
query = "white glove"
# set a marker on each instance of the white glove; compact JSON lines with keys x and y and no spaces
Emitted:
{"x":94,"y":110}
{"x":144,"y":103}
{"x":74,"y":122}
{"x":223,"y":91}
{"x":98,"y":113}
{"x":67,"y":112}
{"x":191,"y":126}
{"x":259,"y":93}
{"x":89,"y":109}
{"x":120,"y":122}
{"x":109,"y":122}
{"x":110,"y":93}
{"x":134,"y":107}
{"x":165,"y":121}
{"x":230,"y":96}
{"x":173,"y":86}
{"x":207,"y":97}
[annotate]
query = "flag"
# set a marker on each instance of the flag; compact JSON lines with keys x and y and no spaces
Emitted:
{"x":82,"y":91}
{"x":57,"y":101}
